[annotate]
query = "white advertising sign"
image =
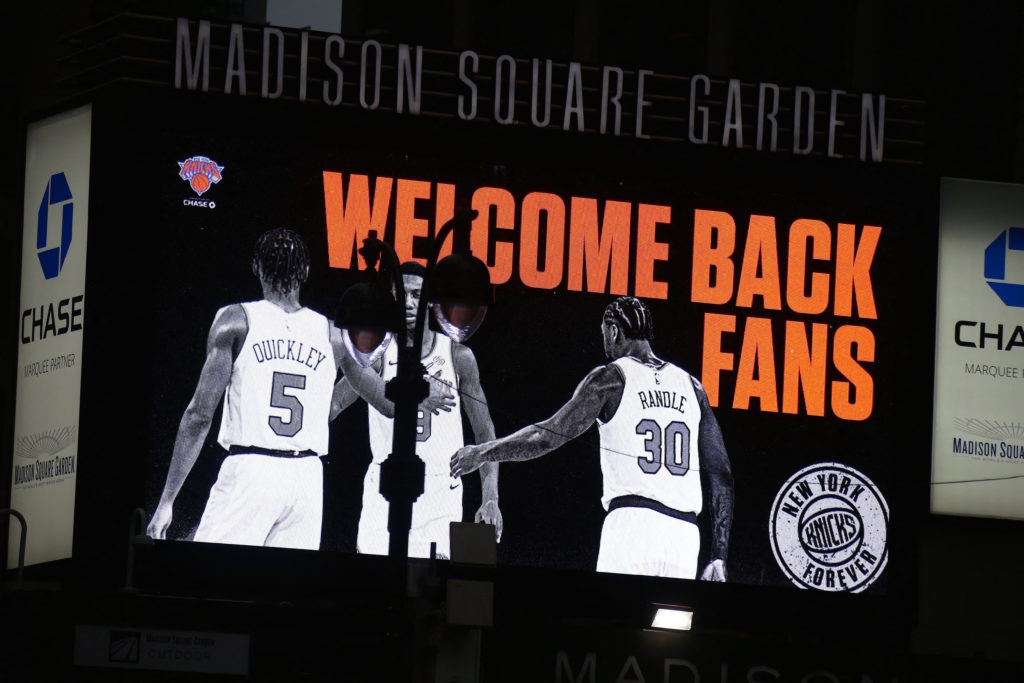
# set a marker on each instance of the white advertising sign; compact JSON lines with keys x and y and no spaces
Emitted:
{"x":50,"y":327}
{"x":978,"y":432}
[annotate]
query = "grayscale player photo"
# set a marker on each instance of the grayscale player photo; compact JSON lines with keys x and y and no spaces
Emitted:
{"x":658,"y":439}
{"x":454,"y":378}
{"x":274,"y":364}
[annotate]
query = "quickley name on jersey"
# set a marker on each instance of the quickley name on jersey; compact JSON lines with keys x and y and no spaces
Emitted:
{"x":288,"y":349}
{"x":279,"y":394}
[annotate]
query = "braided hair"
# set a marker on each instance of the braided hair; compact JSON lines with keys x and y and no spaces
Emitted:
{"x":632,"y":316}
{"x":281,"y":259}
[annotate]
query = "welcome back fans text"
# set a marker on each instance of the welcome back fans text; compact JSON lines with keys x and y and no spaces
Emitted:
{"x":583,"y":244}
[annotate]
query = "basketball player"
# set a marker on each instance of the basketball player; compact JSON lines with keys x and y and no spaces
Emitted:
{"x":453,"y":372}
{"x":658,"y":435}
{"x":275,"y":364}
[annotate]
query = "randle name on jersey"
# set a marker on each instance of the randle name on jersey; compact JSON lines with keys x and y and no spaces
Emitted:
{"x":662,"y":399}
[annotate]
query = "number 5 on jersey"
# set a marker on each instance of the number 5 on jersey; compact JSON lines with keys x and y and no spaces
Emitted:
{"x":286,"y":401}
{"x":670,"y":447}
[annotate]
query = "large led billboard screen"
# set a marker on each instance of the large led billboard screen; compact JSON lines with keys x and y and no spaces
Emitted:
{"x":743,"y":403}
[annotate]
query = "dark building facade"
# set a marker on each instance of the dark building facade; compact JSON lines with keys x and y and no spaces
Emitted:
{"x":714,"y":111}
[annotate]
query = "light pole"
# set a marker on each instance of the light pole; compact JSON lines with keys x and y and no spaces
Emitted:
{"x":457,"y":290}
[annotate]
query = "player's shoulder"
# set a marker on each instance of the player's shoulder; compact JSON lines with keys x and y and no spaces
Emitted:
{"x":243,"y":311}
{"x":460,"y":352}
{"x":610,"y":373}
{"x":314,"y":315}
{"x":463,"y":360}
{"x":669,"y":366}
{"x":686,"y":376}
{"x":632,"y":365}
{"x":232,"y":315}
{"x":229,"y":323}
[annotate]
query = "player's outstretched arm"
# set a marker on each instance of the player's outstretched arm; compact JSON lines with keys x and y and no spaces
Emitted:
{"x":602,"y":385}
{"x":364,"y":382}
{"x":367,"y":383}
{"x":715,"y":463}
{"x":474,"y":403}
{"x":226,"y":334}
{"x":344,"y":396}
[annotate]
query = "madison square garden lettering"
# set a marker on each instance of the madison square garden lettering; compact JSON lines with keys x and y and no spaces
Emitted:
{"x":334,"y":72}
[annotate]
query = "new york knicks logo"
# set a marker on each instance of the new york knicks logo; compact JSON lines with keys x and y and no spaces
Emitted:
{"x":828,"y":529}
{"x":200,"y":173}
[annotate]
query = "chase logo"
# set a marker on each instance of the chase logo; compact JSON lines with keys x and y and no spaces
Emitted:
{"x":56,"y":195}
{"x":1010,"y":293}
{"x":200,"y":173}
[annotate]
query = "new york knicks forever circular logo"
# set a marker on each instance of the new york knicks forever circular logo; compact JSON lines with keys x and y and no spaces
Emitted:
{"x":828,"y":529}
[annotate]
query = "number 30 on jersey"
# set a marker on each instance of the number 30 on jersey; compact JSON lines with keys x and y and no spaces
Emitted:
{"x":669,"y":447}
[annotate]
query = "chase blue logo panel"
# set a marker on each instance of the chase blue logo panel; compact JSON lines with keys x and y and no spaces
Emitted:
{"x":1010,"y":293}
{"x":57,"y":193}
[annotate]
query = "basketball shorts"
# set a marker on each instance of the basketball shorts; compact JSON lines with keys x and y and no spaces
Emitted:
{"x":265,"y":500}
{"x":432,"y":513}
{"x":645,"y":542}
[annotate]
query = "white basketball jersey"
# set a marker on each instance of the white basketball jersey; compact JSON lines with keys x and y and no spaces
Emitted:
{"x":437,"y":436}
{"x":649,"y":447}
{"x":279,"y":395}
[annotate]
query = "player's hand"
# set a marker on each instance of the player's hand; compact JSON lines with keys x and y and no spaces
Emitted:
{"x":715,"y":571}
{"x":440,"y":397}
{"x":466,"y":460}
{"x":490,"y":513}
{"x":161,"y":520}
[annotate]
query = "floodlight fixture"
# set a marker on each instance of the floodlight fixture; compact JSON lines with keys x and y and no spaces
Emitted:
{"x":673,"y":618}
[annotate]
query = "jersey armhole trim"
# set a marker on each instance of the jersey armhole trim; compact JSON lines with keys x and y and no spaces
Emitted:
{"x":433,"y":346}
{"x":456,"y":381}
{"x":698,"y":388}
{"x":615,"y":364}
{"x":248,"y":327}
